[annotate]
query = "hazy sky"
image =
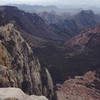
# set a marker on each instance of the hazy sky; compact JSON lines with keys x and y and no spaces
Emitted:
{"x":50,"y":2}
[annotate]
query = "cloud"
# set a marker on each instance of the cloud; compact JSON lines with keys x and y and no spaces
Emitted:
{"x":62,"y":2}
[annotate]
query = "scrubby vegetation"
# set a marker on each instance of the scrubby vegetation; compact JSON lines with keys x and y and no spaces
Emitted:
{"x":3,"y":56}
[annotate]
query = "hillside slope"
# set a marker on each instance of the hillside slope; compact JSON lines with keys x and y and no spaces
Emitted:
{"x":83,"y":67}
{"x":84,"y":51}
{"x":30,"y":23}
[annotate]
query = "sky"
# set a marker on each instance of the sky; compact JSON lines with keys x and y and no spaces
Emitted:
{"x":53,"y":2}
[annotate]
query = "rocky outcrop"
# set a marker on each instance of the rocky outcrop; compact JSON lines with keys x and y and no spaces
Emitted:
{"x":17,"y":94}
{"x":19,"y":68}
{"x":80,"y":88}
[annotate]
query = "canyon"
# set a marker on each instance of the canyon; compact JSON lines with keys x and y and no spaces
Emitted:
{"x":55,"y":57}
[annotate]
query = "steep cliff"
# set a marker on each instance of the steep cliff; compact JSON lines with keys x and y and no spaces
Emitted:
{"x":18,"y":67}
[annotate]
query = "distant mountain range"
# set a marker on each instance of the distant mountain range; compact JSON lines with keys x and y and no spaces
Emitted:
{"x":36,"y":8}
{"x":31,"y":24}
{"x":58,"y":9}
{"x":50,"y":26}
{"x":69,"y":25}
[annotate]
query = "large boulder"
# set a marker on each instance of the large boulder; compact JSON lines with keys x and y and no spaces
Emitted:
{"x":17,"y":94}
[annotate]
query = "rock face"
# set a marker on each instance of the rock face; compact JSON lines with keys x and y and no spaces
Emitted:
{"x":80,"y":88}
{"x":17,"y":94}
{"x":19,"y":68}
